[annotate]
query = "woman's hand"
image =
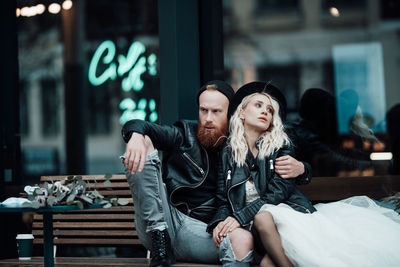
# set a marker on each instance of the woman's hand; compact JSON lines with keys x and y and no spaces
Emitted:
{"x":224,"y":228}
{"x":216,"y":237}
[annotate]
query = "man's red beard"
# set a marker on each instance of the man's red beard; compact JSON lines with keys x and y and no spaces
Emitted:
{"x":214,"y":138}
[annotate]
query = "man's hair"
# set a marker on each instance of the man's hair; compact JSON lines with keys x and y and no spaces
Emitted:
{"x":269,"y":142}
{"x":218,"y":85}
{"x":211,"y":87}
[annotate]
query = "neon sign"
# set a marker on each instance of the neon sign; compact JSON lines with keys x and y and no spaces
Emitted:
{"x":134,"y":63}
{"x":137,"y":111}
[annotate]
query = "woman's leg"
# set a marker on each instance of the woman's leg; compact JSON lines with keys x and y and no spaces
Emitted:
{"x":267,"y":262}
{"x":242,"y":243}
{"x":270,"y":238}
{"x":236,"y":249}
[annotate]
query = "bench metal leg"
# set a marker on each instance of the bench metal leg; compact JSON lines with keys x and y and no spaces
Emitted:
{"x":48,"y":239}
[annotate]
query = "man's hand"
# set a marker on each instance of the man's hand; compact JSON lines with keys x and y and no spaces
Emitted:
{"x":223,"y":229}
{"x":288,"y":167}
{"x":135,"y":154}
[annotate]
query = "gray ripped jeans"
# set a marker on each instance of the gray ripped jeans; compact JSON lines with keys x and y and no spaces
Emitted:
{"x":189,"y":239}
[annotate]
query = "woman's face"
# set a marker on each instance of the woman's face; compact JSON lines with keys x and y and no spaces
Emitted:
{"x":257,"y":115}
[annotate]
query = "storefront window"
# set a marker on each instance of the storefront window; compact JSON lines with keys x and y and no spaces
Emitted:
{"x":117,"y":76}
{"x":348,"y":51}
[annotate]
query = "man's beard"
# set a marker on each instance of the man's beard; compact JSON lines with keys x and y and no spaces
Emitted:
{"x":211,"y":139}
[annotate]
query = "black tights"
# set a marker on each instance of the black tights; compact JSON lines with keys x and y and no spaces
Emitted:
{"x":268,"y":236}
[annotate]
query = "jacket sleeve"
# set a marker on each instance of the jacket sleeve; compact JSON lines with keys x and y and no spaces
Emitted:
{"x":306,"y":177}
{"x":277,"y":191}
{"x":224,"y":209}
{"x":163,"y":137}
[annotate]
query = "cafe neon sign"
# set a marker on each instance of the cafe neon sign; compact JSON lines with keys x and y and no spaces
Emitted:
{"x":134,"y":64}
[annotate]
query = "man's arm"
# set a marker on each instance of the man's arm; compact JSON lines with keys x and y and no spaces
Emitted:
{"x":289,"y":167}
{"x":163,"y":137}
{"x":136,"y":151}
{"x":140,"y":137}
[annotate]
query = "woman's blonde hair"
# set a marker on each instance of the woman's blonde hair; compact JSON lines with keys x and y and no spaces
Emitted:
{"x":269,"y":142}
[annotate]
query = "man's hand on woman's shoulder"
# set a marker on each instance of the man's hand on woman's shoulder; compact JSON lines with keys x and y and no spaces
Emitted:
{"x":288,"y":167}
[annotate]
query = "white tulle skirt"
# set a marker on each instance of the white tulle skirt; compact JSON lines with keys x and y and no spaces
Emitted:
{"x":352,"y":232}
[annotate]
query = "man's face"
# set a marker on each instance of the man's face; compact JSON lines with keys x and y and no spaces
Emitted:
{"x":213,"y":122}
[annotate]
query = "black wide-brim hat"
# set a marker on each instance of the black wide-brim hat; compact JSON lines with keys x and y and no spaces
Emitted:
{"x":258,"y":87}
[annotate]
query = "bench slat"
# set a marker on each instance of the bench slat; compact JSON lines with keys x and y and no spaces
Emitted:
{"x":87,"y":225}
{"x":127,"y":208}
{"x":85,"y":262}
{"x":113,"y":185}
{"x":114,"y":217}
{"x":84,"y":177}
{"x":91,"y":241}
{"x":115,"y":192}
{"x":88,"y":233}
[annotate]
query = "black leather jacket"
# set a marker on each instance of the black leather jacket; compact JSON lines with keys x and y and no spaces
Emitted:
{"x":272,"y":189}
{"x":185,"y":164}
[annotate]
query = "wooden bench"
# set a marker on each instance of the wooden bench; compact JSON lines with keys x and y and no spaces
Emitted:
{"x":328,"y":189}
{"x":102,"y":227}
{"x":115,"y":226}
{"x":112,"y":226}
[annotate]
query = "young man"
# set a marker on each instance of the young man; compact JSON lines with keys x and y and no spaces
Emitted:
{"x":179,"y":212}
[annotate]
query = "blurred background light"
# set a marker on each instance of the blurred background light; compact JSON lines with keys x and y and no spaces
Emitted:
{"x":381,"y":156}
{"x":334,"y":12}
{"x":54,"y":8}
{"x":67,"y":4}
{"x":40,"y":8}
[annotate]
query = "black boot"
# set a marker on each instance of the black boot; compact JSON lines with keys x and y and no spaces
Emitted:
{"x":161,"y":254}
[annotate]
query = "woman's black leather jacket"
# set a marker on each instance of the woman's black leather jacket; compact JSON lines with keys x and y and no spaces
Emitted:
{"x":271,"y":188}
{"x":185,"y":161}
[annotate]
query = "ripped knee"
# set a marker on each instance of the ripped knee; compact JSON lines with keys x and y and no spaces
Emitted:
{"x":241,"y":240}
{"x":237,"y":247}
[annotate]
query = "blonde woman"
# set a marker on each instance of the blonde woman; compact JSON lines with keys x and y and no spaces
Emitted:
{"x":351,"y":232}
{"x":248,"y":180}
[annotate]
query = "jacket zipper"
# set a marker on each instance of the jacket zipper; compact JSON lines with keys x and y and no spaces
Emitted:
{"x":201,"y":171}
{"x":271,"y":167}
{"x":194,"y":163}
{"x":298,"y":205}
{"x":230,"y":202}
{"x":228,"y":178}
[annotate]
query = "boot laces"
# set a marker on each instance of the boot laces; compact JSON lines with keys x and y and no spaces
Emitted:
{"x":159,"y":244}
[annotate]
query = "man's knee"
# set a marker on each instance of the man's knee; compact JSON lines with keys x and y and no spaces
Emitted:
{"x":150,"y":173}
{"x":149,"y":144}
